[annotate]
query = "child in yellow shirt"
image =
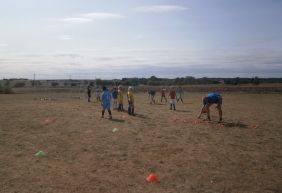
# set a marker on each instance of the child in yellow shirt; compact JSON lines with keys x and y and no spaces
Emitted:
{"x":130,"y":99}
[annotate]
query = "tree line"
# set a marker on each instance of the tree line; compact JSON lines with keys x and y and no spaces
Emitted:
{"x":188,"y":80}
{"x":6,"y":84}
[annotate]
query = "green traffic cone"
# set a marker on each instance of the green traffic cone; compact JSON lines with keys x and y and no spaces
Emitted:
{"x":40,"y":154}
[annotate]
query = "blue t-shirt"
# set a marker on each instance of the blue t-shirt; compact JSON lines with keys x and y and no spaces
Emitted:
{"x":213,"y":97}
{"x":114,"y":94}
{"x":106,"y":97}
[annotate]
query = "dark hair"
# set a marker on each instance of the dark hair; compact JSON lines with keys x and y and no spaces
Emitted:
{"x":104,"y":88}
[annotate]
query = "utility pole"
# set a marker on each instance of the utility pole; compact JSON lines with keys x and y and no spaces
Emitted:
{"x":34,"y":79}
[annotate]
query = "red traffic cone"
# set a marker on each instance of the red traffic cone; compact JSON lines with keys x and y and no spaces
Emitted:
{"x":152,"y":178}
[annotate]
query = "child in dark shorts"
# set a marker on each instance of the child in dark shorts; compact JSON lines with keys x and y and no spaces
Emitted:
{"x":89,"y":92}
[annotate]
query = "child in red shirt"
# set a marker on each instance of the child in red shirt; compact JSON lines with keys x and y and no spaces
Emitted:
{"x":172,"y":95}
{"x":163,"y":95}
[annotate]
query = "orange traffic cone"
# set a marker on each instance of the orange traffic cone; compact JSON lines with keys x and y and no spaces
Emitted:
{"x":152,"y":178}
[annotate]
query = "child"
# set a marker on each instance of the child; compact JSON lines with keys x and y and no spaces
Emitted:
{"x":211,"y":98}
{"x":106,"y":102}
{"x":89,"y":92}
{"x":98,"y":94}
{"x":172,"y":95}
{"x":179,"y":93}
{"x":120,"y":98}
{"x":149,"y":94}
{"x":152,"y":94}
{"x":163,"y":95}
{"x":115,"y":95}
{"x":130,"y":99}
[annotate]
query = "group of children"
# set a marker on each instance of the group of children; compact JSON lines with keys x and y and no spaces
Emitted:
{"x":175,"y":95}
{"x":117,"y":96}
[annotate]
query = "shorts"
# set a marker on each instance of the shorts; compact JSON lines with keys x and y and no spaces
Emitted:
{"x":106,"y":106}
{"x":173,"y":101}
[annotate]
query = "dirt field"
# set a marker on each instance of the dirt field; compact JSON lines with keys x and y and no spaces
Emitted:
{"x":83,"y":154}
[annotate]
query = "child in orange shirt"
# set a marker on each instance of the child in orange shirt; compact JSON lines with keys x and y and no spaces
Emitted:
{"x":163,"y":95}
{"x":172,"y":95}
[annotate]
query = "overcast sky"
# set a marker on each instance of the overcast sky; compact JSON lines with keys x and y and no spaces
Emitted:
{"x":140,"y":38}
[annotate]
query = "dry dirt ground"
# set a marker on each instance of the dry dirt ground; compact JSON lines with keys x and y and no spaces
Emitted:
{"x":83,"y":154}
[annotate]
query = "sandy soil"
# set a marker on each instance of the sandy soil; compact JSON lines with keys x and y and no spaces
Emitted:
{"x":83,"y":154}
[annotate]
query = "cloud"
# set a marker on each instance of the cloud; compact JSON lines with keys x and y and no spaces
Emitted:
{"x":139,"y":37}
{"x":75,"y":20}
{"x":90,"y":17}
{"x":3,"y":45}
{"x":68,"y":55}
{"x":160,"y":8}
{"x":142,"y":63}
{"x":65,"y":37}
{"x":102,"y":15}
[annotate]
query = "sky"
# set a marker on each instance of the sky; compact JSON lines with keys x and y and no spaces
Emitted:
{"x":87,"y":39}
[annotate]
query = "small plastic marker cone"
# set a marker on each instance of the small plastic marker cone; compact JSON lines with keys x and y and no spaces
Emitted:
{"x":152,"y":178}
{"x":40,"y":154}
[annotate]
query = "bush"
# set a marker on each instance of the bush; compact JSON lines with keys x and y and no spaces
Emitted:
{"x":8,"y":90}
{"x":19,"y":84}
{"x":73,"y":84}
{"x":54,"y":84}
{"x":35,"y":83}
{"x":5,"y":90}
{"x":256,"y":81}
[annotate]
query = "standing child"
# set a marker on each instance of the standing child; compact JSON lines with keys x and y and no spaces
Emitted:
{"x":115,"y":95}
{"x":89,"y":92}
{"x":163,"y":95}
{"x":149,"y":94}
{"x":106,"y":102}
{"x":98,"y":94}
{"x":179,"y":94}
{"x":130,"y":99}
{"x":172,"y":95}
{"x":120,"y":98}
{"x":152,"y":94}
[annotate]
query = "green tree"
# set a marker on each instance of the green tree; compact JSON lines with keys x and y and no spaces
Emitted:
{"x":256,"y":81}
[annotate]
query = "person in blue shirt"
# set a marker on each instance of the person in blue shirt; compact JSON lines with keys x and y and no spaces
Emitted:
{"x":106,"y":101}
{"x":210,"y":99}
